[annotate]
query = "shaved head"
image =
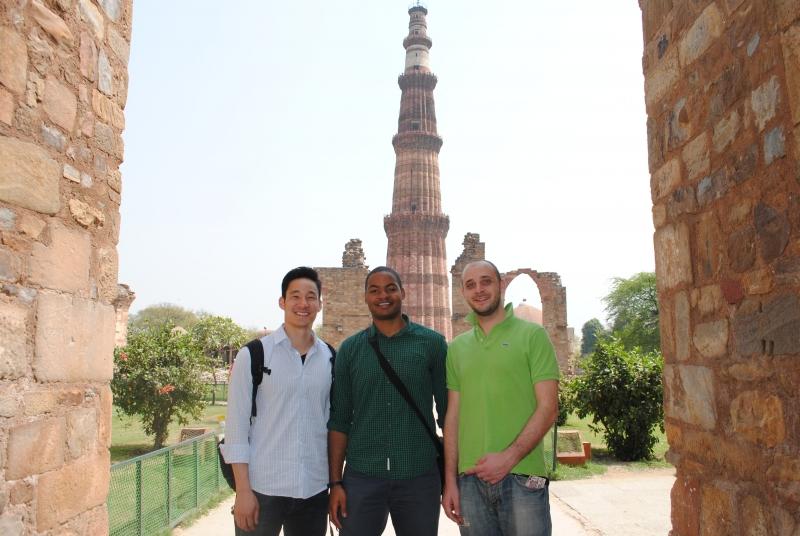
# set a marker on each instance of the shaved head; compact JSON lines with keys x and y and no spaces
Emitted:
{"x":482,"y":262}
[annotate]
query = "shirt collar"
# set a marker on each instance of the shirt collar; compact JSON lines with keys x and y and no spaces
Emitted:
{"x":472,"y":317}
{"x":372,"y":331}
{"x":281,"y":337}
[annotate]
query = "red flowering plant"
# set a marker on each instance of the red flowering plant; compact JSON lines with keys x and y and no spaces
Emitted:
{"x":159,"y":376}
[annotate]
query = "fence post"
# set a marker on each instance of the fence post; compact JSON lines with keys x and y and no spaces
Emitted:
{"x":196,"y":475}
{"x":555,"y":446}
{"x":169,"y":486}
{"x":139,"y":527}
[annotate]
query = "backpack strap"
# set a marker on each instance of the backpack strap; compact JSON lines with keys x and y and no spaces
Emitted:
{"x":256,"y":349}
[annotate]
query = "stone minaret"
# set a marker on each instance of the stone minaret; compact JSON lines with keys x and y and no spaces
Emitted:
{"x":416,"y":228}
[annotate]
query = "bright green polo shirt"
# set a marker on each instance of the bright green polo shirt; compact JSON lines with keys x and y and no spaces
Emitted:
{"x":494,"y":376}
{"x":385,"y":439}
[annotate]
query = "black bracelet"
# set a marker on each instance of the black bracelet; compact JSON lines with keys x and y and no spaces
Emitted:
{"x":335,"y":483}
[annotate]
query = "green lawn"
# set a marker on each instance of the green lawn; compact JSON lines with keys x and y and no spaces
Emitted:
{"x":600,"y":457}
{"x":128,"y":439}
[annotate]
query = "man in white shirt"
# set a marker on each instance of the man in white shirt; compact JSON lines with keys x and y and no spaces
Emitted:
{"x":279,"y":460}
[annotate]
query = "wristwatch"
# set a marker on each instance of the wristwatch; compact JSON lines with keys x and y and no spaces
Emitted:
{"x":335,"y":483}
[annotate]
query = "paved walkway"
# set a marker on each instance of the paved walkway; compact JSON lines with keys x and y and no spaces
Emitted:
{"x":619,"y":503}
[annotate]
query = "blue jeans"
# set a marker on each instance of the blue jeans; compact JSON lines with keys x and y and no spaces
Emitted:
{"x":507,"y":508}
{"x":298,"y":517}
{"x":413,"y":504}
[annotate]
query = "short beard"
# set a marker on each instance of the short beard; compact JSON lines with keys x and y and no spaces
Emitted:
{"x":491,"y":310}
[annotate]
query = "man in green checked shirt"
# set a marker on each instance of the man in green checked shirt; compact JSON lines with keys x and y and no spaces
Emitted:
{"x":391,"y":460}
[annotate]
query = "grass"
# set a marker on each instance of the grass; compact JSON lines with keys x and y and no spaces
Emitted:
{"x":129,"y":440}
{"x":601,"y":459}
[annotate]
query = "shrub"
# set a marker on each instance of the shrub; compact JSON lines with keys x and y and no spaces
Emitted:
{"x":158,"y":376}
{"x":564,"y":402}
{"x":622,"y":391}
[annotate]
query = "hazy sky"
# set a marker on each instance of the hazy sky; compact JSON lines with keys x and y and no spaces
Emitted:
{"x":259,"y":133}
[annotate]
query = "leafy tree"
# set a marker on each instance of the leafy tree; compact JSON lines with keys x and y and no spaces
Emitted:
{"x":158,"y":376}
{"x":591,"y":331}
{"x":162,"y":313}
{"x":632,"y":307}
{"x":217,"y":335}
{"x":622,"y":391}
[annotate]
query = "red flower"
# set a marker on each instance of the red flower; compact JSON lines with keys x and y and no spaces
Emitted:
{"x":166,"y":389}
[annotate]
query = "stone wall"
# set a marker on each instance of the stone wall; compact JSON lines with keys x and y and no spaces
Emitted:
{"x":343,"y":309}
{"x":722,"y":91}
{"x":63,"y":85}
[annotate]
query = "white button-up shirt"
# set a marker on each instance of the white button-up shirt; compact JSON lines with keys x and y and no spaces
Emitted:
{"x":286,"y":445}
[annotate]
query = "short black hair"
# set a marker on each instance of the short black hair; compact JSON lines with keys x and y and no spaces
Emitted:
{"x":490,"y":263}
{"x":392,"y":271}
{"x":301,"y":272}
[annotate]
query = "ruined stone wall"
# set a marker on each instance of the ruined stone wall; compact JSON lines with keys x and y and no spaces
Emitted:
{"x":722,"y":91}
{"x":63,"y":86}
{"x":474,"y":250}
{"x":343,"y":309}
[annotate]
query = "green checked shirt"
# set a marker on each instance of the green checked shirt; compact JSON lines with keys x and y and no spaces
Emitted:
{"x":385,"y":437}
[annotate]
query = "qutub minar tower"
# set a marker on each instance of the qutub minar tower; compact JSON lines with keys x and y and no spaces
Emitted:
{"x":417,"y":228}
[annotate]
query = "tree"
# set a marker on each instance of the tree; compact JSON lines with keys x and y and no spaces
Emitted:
{"x":591,"y":331}
{"x":622,"y":391}
{"x":158,"y":376}
{"x":162,"y":313}
{"x":217,"y":335}
{"x":632,"y":307}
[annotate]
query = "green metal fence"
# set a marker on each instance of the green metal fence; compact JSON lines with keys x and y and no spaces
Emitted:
{"x":154,"y":492}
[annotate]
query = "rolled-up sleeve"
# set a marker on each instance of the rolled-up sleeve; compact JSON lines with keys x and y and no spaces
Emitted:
{"x":342,"y":396}
{"x":236,"y":448}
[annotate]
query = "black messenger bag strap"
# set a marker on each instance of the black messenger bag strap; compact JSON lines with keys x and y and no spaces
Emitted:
{"x":401,"y":388}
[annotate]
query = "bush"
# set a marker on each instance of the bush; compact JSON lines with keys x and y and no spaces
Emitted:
{"x":622,"y":391}
{"x":564,"y":402}
{"x":158,"y":376}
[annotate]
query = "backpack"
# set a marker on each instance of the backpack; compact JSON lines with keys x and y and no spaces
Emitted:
{"x":257,"y":370}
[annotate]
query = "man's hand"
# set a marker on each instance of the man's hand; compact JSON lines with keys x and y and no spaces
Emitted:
{"x":492,"y":467}
{"x":451,"y":502}
{"x":245,"y":510}
{"x":337,"y":503}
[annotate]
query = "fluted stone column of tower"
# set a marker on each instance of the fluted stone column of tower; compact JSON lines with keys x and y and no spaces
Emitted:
{"x":416,"y":228}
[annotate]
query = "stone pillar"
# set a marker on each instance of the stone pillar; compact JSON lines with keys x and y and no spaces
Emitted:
{"x":63,"y":85}
{"x":122,"y":304}
{"x":722,"y":90}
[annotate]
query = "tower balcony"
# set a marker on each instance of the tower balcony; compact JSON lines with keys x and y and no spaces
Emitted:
{"x":417,"y":39}
{"x":419,"y":79}
{"x":417,"y":222}
{"x":417,"y":140}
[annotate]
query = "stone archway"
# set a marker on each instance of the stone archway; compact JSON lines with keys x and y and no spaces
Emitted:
{"x":554,"y":308}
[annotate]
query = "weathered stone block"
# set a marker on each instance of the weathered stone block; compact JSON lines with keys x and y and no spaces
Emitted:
{"x":682,"y":326}
{"x":742,"y":249}
{"x":772,"y":229}
{"x":701,"y":35}
{"x":13,"y":60}
{"x":9,"y":265}
{"x":28,"y":176}
{"x":682,"y":201}
{"x":708,"y":299}
{"x":787,"y":11}
{"x":88,"y":57}
{"x":104,"y":416}
{"x":107,"y":139}
{"x":52,"y":23}
{"x":21,"y":492}
{"x":60,"y":104}
{"x":790,"y":40}
{"x":74,"y":339}
{"x":661,"y":78}
{"x":105,"y":74}
{"x":725,"y":131}
{"x":772,"y":327}
{"x":73,"y":489}
{"x":709,"y":240}
{"x":31,"y":226}
{"x":741,"y":166}
{"x":85,"y":214}
{"x":673,"y":261}
{"x":81,"y":431}
{"x":750,"y":371}
{"x":713,"y":187}
{"x":112,"y":8}
{"x":6,"y":107}
{"x":35,"y":448}
{"x":72,"y":174}
{"x":64,"y":265}
{"x":40,"y":402}
{"x":764,"y":101}
{"x":732,"y":290}
{"x":11,"y":525}
{"x":718,"y":511}
{"x":758,"y":417}
{"x":774,"y":145}
{"x":711,"y":338}
{"x":119,"y":45}
{"x":107,"y":110}
{"x":53,"y":137}
{"x":92,"y":15}
{"x":692,"y":395}
{"x":695,"y":157}
{"x":665,"y":179}
{"x":107,"y":270}
{"x":685,"y":499}
{"x":15,"y":350}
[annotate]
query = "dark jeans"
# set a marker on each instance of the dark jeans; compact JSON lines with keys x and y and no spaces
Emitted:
{"x":507,"y":508}
{"x":413,"y":504}
{"x":298,"y":517}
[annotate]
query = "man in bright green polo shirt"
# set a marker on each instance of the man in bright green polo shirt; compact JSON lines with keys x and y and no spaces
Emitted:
{"x":391,"y":460}
{"x":502,"y":378}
